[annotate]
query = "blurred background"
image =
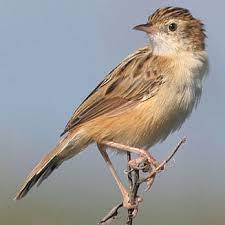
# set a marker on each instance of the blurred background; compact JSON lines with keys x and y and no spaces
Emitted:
{"x":52,"y":54}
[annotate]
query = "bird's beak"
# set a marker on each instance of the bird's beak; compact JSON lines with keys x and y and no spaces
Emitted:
{"x":147,"y":28}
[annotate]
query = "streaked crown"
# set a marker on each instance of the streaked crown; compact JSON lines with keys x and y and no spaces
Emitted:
{"x":190,"y":27}
{"x":174,"y":30}
{"x":167,"y":13}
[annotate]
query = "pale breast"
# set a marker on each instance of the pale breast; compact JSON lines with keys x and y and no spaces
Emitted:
{"x":153,"y":119}
{"x":175,"y":101}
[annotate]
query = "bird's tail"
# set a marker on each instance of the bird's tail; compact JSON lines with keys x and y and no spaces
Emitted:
{"x":69,"y":146}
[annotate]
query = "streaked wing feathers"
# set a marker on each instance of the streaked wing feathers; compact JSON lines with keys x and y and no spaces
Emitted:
{"x":129,"y":83}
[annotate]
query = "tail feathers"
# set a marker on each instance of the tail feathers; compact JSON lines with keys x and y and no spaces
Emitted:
{"x":71,"y":145}
{"x":39,"y":176}
{"x":54,"y":164}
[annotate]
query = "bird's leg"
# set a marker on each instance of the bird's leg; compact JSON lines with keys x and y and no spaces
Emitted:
{"x":136,"y":162}
{"x":123,"y":190}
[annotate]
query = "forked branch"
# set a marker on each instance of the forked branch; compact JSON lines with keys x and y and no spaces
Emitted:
{"x":134,"y":180}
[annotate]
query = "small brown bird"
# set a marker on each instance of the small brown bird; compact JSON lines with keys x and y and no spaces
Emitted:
{"x":139,"y":103}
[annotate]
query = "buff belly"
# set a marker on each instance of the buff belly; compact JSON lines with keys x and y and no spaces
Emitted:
{"x":145,"y":124}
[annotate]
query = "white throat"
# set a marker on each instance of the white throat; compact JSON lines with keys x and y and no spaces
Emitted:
{"x":162,"y":45}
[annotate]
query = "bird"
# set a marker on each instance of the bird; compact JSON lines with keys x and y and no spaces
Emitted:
{"x":141,"y":101}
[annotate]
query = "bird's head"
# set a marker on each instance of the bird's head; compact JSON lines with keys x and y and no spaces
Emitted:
{"x":174,"y":30}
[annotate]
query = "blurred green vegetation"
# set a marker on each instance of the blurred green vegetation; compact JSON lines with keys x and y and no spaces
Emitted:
{"x":78,"y":195}
{"x":49,"y":62}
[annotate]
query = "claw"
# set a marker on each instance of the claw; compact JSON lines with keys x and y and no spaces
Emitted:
{"x":128,"y":205}
{"x":128,"y":171}
{"x":135,"y":163}
{"x":147,"y":167}
{"x":135,"y":212}
{"x":150,"y":183}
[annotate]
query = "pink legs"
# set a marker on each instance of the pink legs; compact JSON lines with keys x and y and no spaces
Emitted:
{"x":123,"y":190}
{"x":143,"y":153}
{"x":133,"y":163}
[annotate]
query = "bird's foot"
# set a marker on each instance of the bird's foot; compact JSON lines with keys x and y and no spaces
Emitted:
{"x":128,"y":205}
{"x":146,"y":164}
{"x":138,"y":164}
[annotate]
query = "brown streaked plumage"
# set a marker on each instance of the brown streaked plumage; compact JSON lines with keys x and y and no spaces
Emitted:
{"x":163,"y":14}
{"x":139,"y":103}
{"x":129,"y":83}
{"x":194,"y":29}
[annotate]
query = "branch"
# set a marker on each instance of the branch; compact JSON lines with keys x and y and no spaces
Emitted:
{"x":108,"y":219}
{"x":162,"y":165}
{"x":133,"y":190}
{"x":135,"y":181}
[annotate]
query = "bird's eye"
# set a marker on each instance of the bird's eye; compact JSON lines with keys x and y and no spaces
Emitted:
{"x":172,"y":27}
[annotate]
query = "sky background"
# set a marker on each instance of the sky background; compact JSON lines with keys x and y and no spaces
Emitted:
{"x":52,"y":54}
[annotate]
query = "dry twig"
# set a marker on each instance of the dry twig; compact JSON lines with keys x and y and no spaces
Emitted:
{"x":108,"y":219}
{"x":133,"y":189}
{"x":135,"y":181}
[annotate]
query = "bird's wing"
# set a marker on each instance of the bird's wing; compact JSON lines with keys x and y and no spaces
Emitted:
{"x":132,"y":81}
